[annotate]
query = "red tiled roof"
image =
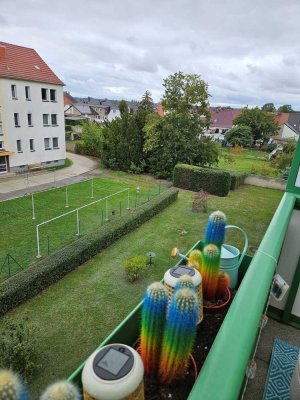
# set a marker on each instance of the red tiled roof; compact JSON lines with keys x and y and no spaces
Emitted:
{"x":223,"y":118}
{"x":23,"y":63}
{"x":282,"y":118}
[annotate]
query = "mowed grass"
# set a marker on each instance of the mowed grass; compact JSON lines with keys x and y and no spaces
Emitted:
{"x":18,"y":229}
{"x":77,"y":313}
{"x":248,"y":161}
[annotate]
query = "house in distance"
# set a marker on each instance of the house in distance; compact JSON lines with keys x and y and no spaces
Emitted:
{"x":32,"y":131}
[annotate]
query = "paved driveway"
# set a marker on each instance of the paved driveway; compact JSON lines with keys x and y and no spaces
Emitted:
{"x":18,"y":185}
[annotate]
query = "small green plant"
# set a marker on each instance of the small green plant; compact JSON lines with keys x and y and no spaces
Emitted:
{"x":62,"y":390}
{"x":17,"y":348}
{"x":134,"y":267}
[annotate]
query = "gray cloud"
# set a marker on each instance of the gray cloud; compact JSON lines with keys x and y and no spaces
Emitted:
{"x":248,"y":52}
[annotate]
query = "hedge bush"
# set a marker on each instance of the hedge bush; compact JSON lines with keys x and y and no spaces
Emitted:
{"x":196,"y":178}
{"x":237,"y":179}
{"x":80,"y":148}
{"x":45,"y":272}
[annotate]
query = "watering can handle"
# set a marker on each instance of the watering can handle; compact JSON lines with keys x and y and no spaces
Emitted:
{"x":245,"y":238}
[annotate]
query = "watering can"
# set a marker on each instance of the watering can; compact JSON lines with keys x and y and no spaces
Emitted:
{"x":231,"y":258}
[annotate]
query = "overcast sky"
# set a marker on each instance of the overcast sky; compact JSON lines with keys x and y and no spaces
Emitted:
{"x":247,"y":51}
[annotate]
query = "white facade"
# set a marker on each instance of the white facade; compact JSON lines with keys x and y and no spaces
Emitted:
{"x":32,"y":127}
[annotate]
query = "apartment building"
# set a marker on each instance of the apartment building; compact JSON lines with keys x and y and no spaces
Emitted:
{"x":32,"y":131}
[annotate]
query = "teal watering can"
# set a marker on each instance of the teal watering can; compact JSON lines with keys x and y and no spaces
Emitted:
{"x":231,"y":258}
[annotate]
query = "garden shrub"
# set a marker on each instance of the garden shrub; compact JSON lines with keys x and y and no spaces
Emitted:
{"x":43,"y":273}
{"x":194,"y":178}
{"x":17,"y":348}
{"x":237,"y":179}
{"x":134,"y":267}
{"x":80,"y":148}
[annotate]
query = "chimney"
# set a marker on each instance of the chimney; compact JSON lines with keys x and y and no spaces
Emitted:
{"x":2,"y":52}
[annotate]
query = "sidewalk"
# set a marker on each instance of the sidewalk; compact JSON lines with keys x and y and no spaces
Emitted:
{"x":19,"y":185}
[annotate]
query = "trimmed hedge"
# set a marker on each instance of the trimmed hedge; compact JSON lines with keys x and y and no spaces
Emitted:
{"x":45,"y":272}
{"x":80,"y":148}
{"x":196,"y":178}
{"x":237,"y":179}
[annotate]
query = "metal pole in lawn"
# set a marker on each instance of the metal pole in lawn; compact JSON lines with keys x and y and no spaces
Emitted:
{"x":92,"y":196}
{"x":106,"y":207}
{"x":32,"y":203}
{"x":136,"y":196}
{"x":78,"y":225}
{"x":38,"y":242}
{"x":128,"y":200}
{"x":67,"y":197}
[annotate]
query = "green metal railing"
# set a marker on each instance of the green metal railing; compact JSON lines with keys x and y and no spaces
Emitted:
{"x":223,"y":372}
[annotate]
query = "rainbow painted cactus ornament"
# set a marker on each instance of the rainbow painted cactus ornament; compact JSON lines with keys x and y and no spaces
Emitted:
{"x":179,"y":335}
{"x":215,"y":229}
{"x":11,"y":386}
{"x":153,"y":323}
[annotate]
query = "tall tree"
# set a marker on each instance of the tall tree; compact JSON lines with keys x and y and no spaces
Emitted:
{"x":174,"y":138}
{"x":262,"y":124}
{"x":123,"y":107}
{"x":269,"y":107}
{"x":286,"y":108}
{"x":239,"y":135}
{"x":147,"y":102}
{"x":187,"y":93}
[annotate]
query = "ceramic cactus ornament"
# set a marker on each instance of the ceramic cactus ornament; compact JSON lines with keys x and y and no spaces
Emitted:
{"x":185,"y":281}
{"x":210,"y":271}
{"x":179,"y":335}
{"x":153,"y":323}
{"x":62,"y":390}
{"x":195,"y":259}
{"x":223,"y":285}
{"x":215,"y":229}
{"x":11,"y":386}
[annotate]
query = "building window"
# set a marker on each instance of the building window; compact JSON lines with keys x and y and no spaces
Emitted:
{"x":14,"y":91}
{"x":47,"y":143}
{"x":46,"y":119}
{"x":17,"y":120}
{"x":29,"y":117}
{"x":52,"y":95}
{"x":27,"y":93}
{"x":44,"y":94}
{"x":55,"y":142}
{"x":31,"y":144}
{"x":1,"y":145}
{"x":54,"y":119}
{"x":19,"y":146}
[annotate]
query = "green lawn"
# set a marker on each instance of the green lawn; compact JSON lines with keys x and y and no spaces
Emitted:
{"x":248,"y":161}
{"x":19,"y":229}
{"x":77,"y":313}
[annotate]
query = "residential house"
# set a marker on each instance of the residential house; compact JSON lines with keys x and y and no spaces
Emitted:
{"x":222,"y":119}
{"x":32,"y":131}
{"x":289,"y":127}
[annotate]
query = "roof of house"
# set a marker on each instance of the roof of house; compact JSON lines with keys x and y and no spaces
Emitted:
{"x":19,"y":62}
{"x":292,"y":128}
{"x":223,"y":117}
{"x":282,"y":118}
{"x":294,"y":121}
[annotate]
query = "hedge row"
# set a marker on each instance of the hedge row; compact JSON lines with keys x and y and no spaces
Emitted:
{"x":195,"y":178}
{"x":80,"y":148}
{"x":237,"y":179}
{"x":45,"y":272}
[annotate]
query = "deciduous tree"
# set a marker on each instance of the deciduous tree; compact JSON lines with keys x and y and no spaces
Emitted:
{"x":286,"y":108}
{"x":239,"y":135}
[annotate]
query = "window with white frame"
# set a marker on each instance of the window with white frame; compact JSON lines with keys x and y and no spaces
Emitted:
{"x":55,"y":142}
{"x":52,"y":95}
{"x":29,"y":118}
{"x":54,"y":119}
{"x":19,"y":146}
{"x":31,"y":144}
{"x":44,"y":94}
{"x":14,"y":92}
{"x":27,"y":93}
{"x":45,"y":119}
{"x":17,"y":120}
{"x":47,"y":144}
